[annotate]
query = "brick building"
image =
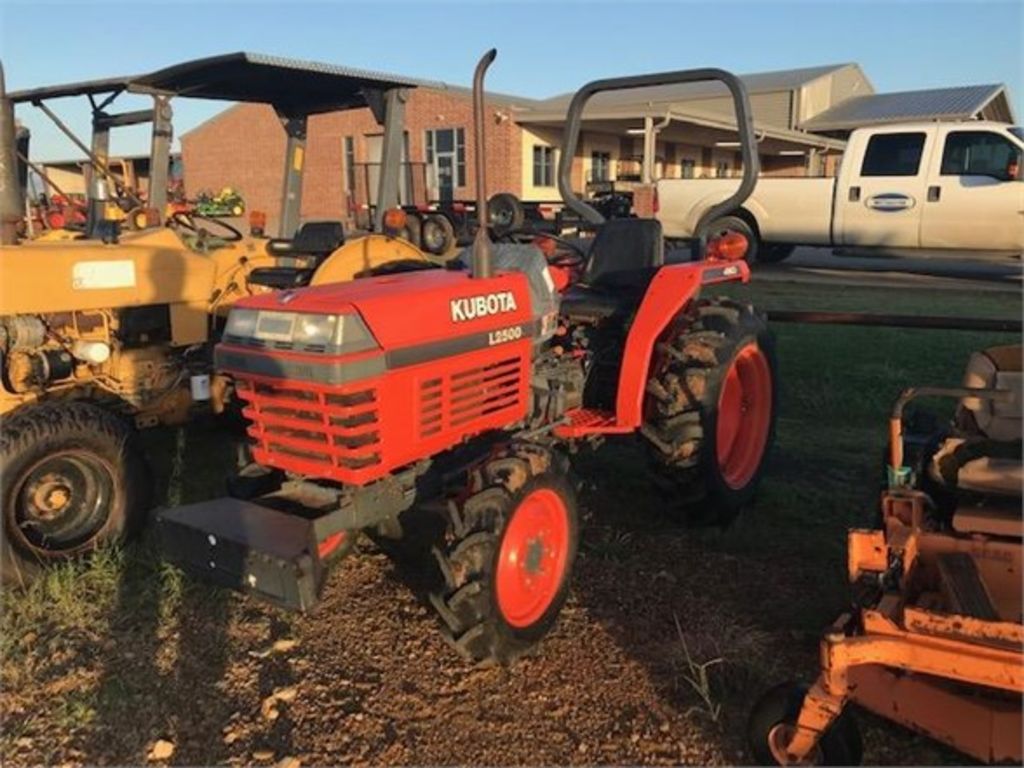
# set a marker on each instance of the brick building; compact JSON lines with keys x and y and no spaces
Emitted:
{"x":802,"y":117}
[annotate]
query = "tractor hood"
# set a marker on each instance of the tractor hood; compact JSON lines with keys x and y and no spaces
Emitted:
{"x":408,"y":310}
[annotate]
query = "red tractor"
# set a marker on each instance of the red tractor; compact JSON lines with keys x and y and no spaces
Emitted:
{"x":452,"y":394}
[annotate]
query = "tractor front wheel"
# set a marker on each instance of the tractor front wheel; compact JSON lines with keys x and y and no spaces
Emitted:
{"x":710,"y":411}
{"x":508,"y":553}
{"x":73,"y":478}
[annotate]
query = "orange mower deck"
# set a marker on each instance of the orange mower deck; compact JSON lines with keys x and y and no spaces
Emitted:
{"x":922,"y":657}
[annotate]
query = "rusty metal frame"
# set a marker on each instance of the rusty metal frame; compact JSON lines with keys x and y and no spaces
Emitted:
{"x":904,"y":662}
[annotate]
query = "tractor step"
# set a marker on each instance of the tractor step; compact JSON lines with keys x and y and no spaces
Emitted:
{"x":963,"y":587}
{"x":584,"y":422}
{"x":245,"y":546}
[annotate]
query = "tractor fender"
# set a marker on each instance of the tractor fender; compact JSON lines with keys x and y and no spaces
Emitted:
{"x":671,"y":289}
{"x":363,"y":254}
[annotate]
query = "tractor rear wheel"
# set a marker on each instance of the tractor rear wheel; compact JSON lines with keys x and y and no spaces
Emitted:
{"x":73,"y":478}
{"x":507,"y":555}
{"x":710,"y":410}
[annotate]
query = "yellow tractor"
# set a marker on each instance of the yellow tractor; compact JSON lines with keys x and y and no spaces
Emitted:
{"x":104,"y":331}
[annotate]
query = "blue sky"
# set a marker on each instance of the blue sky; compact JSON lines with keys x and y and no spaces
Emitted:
{"x":544,"y":47}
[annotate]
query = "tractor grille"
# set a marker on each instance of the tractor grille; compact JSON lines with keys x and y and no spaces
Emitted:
{"x":318,"y":433}
{"x":457,"y":400}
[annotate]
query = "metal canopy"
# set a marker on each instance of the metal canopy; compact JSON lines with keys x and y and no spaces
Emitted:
{"x":113,"y":85}
{"x":294,"y":88}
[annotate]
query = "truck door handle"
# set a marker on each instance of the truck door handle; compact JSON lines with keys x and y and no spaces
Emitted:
{"x":854,"y":194}
{"x":934,"y":193}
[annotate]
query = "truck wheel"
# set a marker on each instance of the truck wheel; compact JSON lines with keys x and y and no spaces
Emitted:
{"x":771,"y":723}
{"x":735,"y":225}
{"x":773,"y":253}
{"x":73,"y":478}
{"x":505,"y":214}
{"x":710,"y":410}
{"x":412,"y":231}
{"x":508,"y":553}
{"x":437,"y":235}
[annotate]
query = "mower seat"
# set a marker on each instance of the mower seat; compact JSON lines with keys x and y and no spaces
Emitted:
{"x":983,"y":455}
{"x":624,"y":257}
{"x":318,"y":239}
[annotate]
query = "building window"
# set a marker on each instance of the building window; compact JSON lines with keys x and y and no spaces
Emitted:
{"x":978,"y":153}
{"x":543,"y":166}
{"x":688,"y":167}
{"x":893,"y":154}
{"x":600,"y":166}
{"x":350,"y":165}
{"x":446,"y":147}
{"x":722,"y":169}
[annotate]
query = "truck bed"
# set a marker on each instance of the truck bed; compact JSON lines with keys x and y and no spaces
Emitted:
{"x":789,"y":210}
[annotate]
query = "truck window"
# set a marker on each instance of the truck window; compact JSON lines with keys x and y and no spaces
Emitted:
{"x":893,"y":154}
{"x":978,"y":153}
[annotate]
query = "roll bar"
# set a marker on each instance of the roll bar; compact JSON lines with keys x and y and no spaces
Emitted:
{"x":744,"y":124}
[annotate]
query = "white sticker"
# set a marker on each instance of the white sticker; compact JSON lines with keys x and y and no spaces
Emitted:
{"x":548,"y":280}
{"x":86,"y":275}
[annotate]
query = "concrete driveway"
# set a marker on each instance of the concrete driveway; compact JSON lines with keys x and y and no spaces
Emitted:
{"x":819,"y":265}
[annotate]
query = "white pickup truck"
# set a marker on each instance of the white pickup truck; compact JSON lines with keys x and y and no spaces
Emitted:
{"x":947,"y":187}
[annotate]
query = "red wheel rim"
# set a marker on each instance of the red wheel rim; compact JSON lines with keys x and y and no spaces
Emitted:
{"x":533,"y":557}
{"x":744,"y":416}
{"x":330,"y":544}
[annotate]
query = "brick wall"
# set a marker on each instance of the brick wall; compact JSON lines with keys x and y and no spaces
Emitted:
{"x":244,"y":147}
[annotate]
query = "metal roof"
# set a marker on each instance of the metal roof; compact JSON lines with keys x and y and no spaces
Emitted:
{"x":960,"y":103}
{"x":83,"y":88}
{"x":290,"y":85}
{"x":757,"y":82}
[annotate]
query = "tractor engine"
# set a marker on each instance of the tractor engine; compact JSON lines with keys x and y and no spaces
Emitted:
{"x":124,"y":356}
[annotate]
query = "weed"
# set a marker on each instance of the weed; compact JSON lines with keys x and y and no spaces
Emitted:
{"x":696,"y":675}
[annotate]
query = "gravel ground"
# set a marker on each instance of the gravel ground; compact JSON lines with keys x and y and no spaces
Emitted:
{"x":366,"y":678}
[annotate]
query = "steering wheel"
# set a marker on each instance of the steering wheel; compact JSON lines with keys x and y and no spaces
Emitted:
{"x":189,"y":221}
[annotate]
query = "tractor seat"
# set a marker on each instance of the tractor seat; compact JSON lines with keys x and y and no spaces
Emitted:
{"x":983,"y":455}
{"x":280,"y":278}
{"x":318,"y":239}
{"x":624,"y":257}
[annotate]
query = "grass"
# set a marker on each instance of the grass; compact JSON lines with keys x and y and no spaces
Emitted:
{"x":836,"y":386}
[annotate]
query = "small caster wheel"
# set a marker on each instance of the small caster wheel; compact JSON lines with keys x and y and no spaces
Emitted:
{"x":773,"y":720}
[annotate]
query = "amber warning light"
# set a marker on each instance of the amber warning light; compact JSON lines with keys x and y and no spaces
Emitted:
{"x":731,"y":246}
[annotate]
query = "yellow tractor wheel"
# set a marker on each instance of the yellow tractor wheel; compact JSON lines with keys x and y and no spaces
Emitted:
{"x":365,"y":256}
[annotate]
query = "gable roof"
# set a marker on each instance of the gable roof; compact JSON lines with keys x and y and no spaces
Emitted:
{"x":958,"y":103}
{"x":756,"y":82}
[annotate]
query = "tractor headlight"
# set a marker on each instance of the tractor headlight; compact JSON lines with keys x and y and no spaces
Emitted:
{"x":241,"y":323}
{"x":335,"y":333}
{"x":315,"y":329}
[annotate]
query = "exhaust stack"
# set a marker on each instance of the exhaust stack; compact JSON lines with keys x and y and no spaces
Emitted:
{"x":11,"y":210}
{"x":481,"y":243}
